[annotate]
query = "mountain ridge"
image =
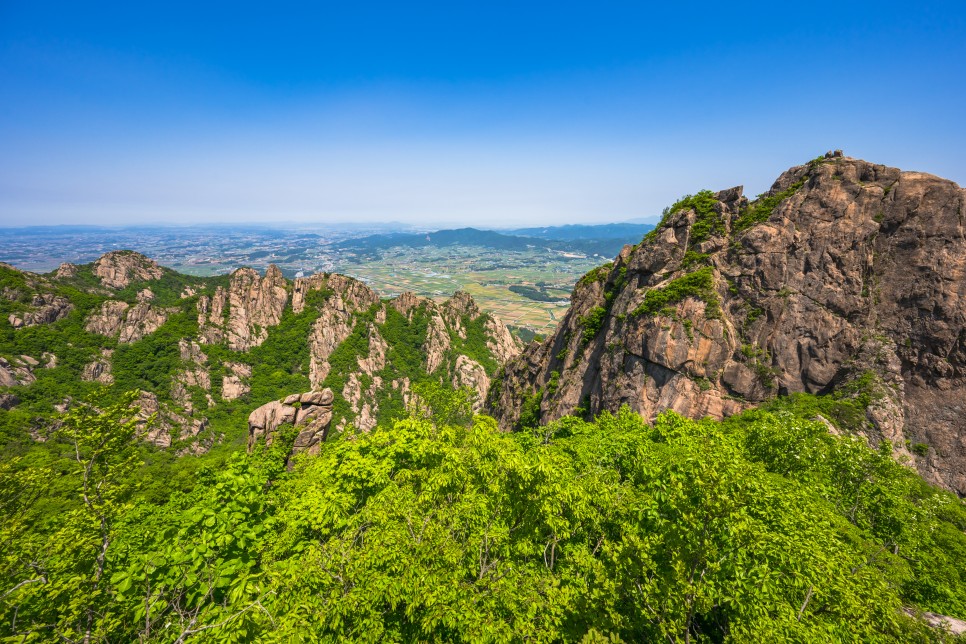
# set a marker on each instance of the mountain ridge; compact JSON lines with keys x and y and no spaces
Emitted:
{"x":845,"y":275}
{"x":499,"y":240}
{"x":205,"y":351}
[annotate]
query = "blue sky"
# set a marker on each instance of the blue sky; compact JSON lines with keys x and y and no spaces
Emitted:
{"x":491,"y":113}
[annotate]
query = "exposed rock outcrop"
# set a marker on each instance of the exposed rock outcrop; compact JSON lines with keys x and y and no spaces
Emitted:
{"x":843,"y":270}
{"x":46,"y":308}
{"x":128,"y":323}
{"x":469,"y":373}
{"x":119,"y":268}
{"x":437,"y":342}
{"x":455,"y":308}
{"x":17,"y":371}
{"x":159,"y":424}
{"x":243,"y":314}
{"x":310,"y":413}
{"x":952,"y":625}
{"x":501,"y":343}
{"x":66,"y":271}
{"x":461,"y":345}
{"x":340,"y":299}
{"x":195,"y":374}
{"x":8,"y":401}
{"x":143,"y":319}
{"x":109,"y":319}
{"x":234,"y":385}
{"x":99,"y":370}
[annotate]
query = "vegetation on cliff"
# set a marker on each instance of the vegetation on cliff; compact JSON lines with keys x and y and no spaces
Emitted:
{"x":763,"y":527}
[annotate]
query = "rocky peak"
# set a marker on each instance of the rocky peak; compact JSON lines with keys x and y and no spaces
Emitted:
{"x":119,"y":268}
{"x":459,"y":305}
{"x":128,"y":323}
{"x":66,"y":271}
{"x":844,"y":270}
{"x":242,"y":314}
{"x":406,"y":302}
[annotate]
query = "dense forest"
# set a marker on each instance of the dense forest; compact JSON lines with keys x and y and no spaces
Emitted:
{"x":762,"y":527}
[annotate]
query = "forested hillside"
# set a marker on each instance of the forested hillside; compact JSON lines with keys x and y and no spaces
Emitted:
{"x":763,"y":527}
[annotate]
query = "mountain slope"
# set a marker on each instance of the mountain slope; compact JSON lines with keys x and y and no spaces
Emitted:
{"x":568,"y":232}
{"x":205,"y":352}
{"x":845,"y":278}
{"x":607,"y":244}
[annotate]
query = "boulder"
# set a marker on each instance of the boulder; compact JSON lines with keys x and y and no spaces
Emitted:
{"x":311,"y":412}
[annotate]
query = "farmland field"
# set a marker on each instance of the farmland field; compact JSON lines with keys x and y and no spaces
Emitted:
{"x":486,"y":274}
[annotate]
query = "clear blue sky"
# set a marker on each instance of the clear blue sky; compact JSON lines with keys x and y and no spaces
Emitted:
{"x":496,"y":113}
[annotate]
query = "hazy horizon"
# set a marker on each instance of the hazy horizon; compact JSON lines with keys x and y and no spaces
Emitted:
{"x":453,"y":116}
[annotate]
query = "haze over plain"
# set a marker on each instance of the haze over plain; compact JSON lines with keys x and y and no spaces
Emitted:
{"x":455,"y":113}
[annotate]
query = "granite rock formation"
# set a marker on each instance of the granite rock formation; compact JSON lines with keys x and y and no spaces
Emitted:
{"x":310,"y":413}
{"x":119,"y":268}
{"x":45,"y":309}
{"x":244,"y":312}
{"x":128,"y":323}
{"x":844,"y":271}
{"x":222,"y":358}
{"x":99,"y":370}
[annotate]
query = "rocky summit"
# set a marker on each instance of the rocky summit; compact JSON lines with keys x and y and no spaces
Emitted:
{"x":845,"y":277}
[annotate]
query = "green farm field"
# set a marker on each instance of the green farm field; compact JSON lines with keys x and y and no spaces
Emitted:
{"x":486,"y":274}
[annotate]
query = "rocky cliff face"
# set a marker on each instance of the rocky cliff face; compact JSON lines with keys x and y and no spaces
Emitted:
{"x":44,"y":309}
{"x":128,"y":323}
{"x":244,"y":312}
{"x":341,"y":299}
{"x":118,"y":269}
{"x":843,"y":272}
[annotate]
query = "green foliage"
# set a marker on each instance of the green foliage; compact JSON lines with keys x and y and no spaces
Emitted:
{"x":65,"y":589}
{"x":845,"y":407}
{"x":760,"y":211}
{"x":598,"y":274}
{"x":439,"y":527}
{"x":536,"y":294}
{"x":168,"y":289}
{"x":692,"y":258}
{"x":474,"y":345}
{"x":553,"y":383}
{"x":525,"y":334}
{"x":441,"y":405}
{"x":592,"y":324}
{"x":698,"y":284}
{"x":707,"y":220}
{"x":150,"y":362}
{"x":530,"y":410}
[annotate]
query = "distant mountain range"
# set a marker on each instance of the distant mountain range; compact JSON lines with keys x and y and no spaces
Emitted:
{"x":606,"y":239}
{"x":582,"y":232}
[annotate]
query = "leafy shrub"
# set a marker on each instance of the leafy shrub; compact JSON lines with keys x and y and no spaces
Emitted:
{"x":592,"y":323}
{"x":763,"y":527}
{"x":760,"y":211}
{"x":698,"y":284}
